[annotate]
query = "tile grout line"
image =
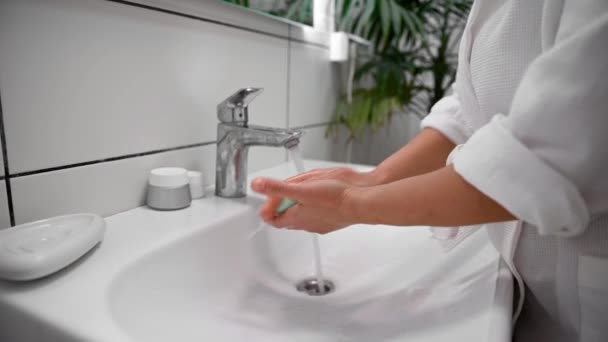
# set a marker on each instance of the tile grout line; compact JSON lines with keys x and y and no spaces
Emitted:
{"x":217,"y":22}
{"x":117,"y":158}
{"x":111,"y":159}
{"x":287,"y":86}
{"x":321,"y":46}
{"x":7,"y":180}
{"x":320,"y":124}
{"x":288,"y":80}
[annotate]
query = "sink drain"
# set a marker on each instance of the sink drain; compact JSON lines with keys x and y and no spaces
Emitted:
{"x":312,"y":287}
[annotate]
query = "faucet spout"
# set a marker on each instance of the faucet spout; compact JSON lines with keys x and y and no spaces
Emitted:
{"x":232,"y":150}
{"x":235,"y":136}
{"x":268,"y":136}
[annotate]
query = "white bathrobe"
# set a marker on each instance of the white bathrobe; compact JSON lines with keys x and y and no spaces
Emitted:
{"x":530,"y":111}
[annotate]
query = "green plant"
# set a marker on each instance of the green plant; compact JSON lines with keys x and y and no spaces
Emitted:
{"x":297,"y":10}
{"x":414,"y":62}
{"x":414,"y":59}
{"x":244,"y":3}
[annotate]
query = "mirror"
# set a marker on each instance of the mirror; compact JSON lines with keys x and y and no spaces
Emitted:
{"x":296,"y":10}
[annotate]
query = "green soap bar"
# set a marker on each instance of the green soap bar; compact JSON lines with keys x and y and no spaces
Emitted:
{"x":285,"y":204}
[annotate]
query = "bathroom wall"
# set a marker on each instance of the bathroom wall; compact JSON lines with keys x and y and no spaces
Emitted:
{"x":94,"y":93}
{"x":376,"y":146}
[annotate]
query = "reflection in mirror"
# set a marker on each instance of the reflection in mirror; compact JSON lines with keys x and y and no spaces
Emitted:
{"x":296,"y":10}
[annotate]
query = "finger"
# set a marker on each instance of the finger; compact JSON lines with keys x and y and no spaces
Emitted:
{"x":313,"y":174}
{"x":275,"y":188}
{"x":299,"y":218}
{"x":271,"y":203}
{"x":291,"y":219}
{"x":288,"y":220}
{"x":268,"y":210}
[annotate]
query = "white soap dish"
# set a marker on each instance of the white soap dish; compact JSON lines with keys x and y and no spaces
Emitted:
{"x":34,"y":250}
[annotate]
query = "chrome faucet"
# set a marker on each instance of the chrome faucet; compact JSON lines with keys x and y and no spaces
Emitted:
{"x":235,"y":135}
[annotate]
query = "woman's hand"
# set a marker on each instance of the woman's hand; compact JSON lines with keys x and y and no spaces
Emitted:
{"x":321,"y":204}
{"x":343,"y":174}
{"x":439,"y":198}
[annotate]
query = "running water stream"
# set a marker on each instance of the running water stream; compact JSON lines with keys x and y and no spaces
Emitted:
{"x":296,"y":157}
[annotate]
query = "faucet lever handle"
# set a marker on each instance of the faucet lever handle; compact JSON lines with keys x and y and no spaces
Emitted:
{"x":234,"y":108}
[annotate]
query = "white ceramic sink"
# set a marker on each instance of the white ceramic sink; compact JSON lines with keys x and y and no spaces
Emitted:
{"x":203,"y":274}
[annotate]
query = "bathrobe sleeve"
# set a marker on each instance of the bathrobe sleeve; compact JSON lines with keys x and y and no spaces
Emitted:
{"x":446,"y":117}
{"x":541,"y":160}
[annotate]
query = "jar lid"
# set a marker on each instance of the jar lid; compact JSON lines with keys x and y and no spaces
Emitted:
{"x":168,"y":177}
{"x":195,"y":177}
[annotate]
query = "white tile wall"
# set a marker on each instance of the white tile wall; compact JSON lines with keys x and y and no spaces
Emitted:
{"x":316,"y":145}
{"x":308,"y":34}
{"x":112,"y":187}
{"x":377,"y":146}
{"x":314,"y":85}
{"x":223,"y":12}
{"x":4,"y":215}
{"x":84,"y":80}
{"x":94,"y":79}
{"x":105,"y":188}
{"x":372,"y":149}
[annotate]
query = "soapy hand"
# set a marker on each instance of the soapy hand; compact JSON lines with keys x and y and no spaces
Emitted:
{"x":321,"y":204}
{"x":344,"y":174}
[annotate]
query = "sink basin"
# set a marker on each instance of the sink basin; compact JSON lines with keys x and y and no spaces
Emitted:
{"x":228,"y":283}
{"x":209,"y":273}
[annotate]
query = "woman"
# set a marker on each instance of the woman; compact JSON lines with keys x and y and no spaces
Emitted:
{"x":529,"y":114}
